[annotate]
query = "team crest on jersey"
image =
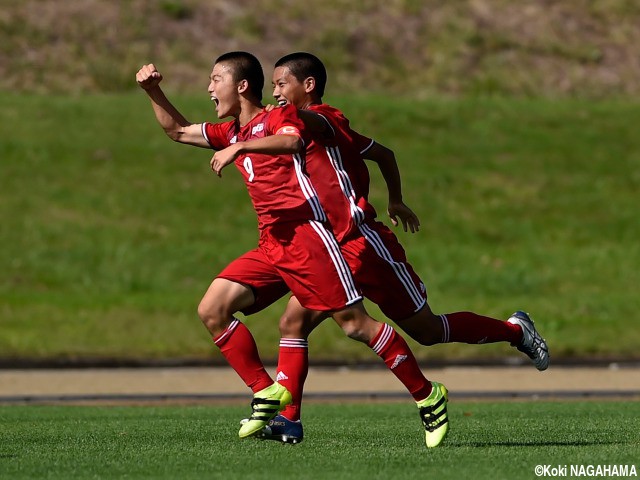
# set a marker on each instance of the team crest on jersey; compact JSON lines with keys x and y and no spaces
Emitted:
{"x":258,"y":128}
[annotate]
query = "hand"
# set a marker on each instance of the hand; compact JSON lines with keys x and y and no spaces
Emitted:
{"x":268,"y":107}
{"x":224,"y":157}
{"x":407,"y":217}
{"x":148,"y":77}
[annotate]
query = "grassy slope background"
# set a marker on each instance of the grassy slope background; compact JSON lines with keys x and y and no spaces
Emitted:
{"x":111,"y":232}
{"x":417,"y":47}
{"x":514,"y":128}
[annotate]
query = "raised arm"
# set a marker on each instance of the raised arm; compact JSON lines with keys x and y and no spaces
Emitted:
{"x":386,"y":160}
{"x":175,"y":125}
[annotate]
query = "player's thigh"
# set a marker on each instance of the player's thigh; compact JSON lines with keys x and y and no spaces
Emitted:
{"x":298,"y":321}
{"x":225,"y":297}
{"x":248,"y":284}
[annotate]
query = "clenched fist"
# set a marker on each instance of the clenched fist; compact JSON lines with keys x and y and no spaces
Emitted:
{"x":148,"y":76}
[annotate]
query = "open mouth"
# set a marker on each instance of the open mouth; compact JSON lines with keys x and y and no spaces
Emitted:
{"x":282,"y":102}
{"x":215,"y":100}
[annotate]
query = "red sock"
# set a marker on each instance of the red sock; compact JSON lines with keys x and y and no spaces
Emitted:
{"x":395,"y":352}
{"x":239,"y":348}
{"x":293,"y":365}
{"x":468,"y":327}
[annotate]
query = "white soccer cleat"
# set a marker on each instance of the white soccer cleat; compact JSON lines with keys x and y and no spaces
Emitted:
{"x":532,"y":344}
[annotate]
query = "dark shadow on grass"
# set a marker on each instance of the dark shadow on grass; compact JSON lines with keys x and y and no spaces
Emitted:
{"x":558,"y":443}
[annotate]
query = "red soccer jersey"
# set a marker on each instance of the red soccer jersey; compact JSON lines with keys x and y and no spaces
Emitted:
{"x":339,"y":173}
{"x":277,"y":184}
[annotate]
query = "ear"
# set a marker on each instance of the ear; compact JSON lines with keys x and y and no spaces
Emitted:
{"x":309,"y":84}
{"x":243,"y":86}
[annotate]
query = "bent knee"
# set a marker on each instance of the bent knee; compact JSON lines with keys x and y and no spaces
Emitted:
{"x":426,"y":331}
{"x":291,"y":326}
{"x":352,"y":330}
{"x":215,"y":316}
{"x":360,"y":330}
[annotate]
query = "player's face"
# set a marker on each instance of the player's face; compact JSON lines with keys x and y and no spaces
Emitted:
{"x":287,"y":88}
{"x":224,"y":91}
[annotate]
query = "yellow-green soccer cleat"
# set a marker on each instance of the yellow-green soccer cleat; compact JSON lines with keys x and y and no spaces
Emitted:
{"x":433,"y":412}
{"x":266,"y":404}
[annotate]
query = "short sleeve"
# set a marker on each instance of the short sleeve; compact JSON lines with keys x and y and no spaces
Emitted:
{"x":216,"y":135}
{"x":286,"y":121}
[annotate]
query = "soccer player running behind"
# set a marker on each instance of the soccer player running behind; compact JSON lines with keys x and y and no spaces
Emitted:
{"x":295,"y":245}
{"x":373,"y":252}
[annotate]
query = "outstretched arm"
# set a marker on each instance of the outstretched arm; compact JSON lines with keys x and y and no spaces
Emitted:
{"x":386,"y":160}
{"x":175,"y":125}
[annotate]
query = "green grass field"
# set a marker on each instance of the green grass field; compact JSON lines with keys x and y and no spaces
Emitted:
{"x":110,"y":233}
{"x":503,"y":440}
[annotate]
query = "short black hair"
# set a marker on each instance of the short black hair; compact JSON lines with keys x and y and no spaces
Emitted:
{"x":303,"y":65}
{"x":245,"y":66}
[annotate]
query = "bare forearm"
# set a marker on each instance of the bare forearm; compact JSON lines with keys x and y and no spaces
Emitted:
{"x":169,"y":118}
{"x":272,"y":145}
{"x":394,"y":184}
{"x":388,"y":166}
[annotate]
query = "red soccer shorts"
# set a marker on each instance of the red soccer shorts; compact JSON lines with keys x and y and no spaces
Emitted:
{"x":254,"y":270}
{"x":380,"y":268}
{"x":306,"y":257}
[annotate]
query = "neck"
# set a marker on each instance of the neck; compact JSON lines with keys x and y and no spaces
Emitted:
{"x":308,"y":103}
{"x":248,"y":111}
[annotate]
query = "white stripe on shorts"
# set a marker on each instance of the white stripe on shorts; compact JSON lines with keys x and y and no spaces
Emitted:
{"x":344,"y":273}
{"x":399,"y":268}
